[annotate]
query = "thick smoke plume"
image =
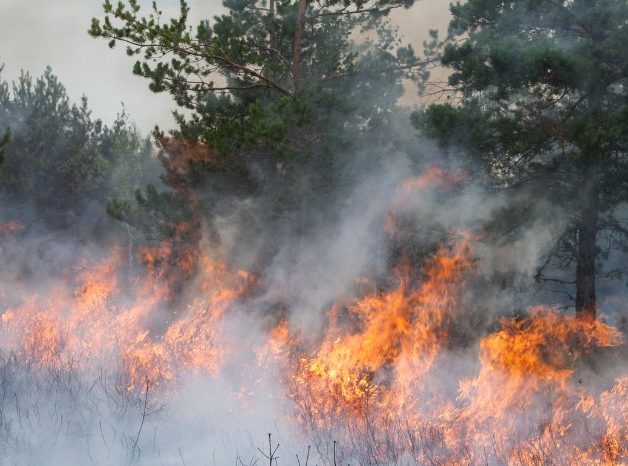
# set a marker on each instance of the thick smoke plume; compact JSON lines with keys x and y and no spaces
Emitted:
{"x":100,"y":365}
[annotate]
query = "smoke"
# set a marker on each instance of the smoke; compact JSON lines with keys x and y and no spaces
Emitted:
{"x":57,"y":415}
{"x":100,"y":364}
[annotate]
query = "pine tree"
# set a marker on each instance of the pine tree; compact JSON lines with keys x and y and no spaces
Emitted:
{"x":58,"y":158}
{"x":279,"y":93}
{"x":541,"y":86}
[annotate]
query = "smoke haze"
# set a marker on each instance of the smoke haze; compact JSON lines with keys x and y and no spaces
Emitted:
{"x":376,"y":322}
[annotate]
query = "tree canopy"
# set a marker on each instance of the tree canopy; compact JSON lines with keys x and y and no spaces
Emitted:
{"x":255,"y":75}
{"x":277,"y":95}
{"x":58,"y":157}
{"x":541,"y":102}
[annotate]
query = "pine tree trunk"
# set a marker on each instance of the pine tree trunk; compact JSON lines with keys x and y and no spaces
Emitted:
{"x":298,"y":47}
{"x":586,"y":305}
{"x":271,"y":15}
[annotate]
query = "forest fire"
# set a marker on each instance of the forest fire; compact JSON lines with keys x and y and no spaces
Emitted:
{"x":378,"y":382}
{"x":76,"y":326}
{"x":350,"y":239}
{"x":376,"y":387}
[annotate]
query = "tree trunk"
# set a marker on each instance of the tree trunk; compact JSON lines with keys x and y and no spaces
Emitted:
{"x":298,"y":47}
{"x":586,"y":305}
{"x":271,"y":15}
{"x":587,"y":250}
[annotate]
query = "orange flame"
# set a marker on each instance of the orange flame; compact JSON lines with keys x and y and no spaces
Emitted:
{"x":378,"y":380}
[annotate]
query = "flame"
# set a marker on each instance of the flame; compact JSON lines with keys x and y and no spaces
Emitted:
{"x":389,"y":378}
{"x":376,"y":376}
{"x":400,"y":331}
{"x":526,"y":380}
{"x":66,"y":328}
{"x":434,"y":176}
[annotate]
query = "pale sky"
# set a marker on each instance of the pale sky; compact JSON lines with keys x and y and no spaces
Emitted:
{"x":36,"y":33}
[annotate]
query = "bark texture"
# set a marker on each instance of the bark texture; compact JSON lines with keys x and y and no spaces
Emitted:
{"x":298,"y":47}
{"x":586,"y":305}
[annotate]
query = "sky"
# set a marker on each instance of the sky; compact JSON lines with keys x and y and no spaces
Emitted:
{"x":37,"y":33}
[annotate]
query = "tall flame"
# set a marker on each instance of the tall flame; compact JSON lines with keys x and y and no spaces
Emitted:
{"x":388,"y":379}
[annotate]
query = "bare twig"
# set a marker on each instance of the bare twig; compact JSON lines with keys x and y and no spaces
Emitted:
{"x":144,"y":414}
{"x":271,"y":452}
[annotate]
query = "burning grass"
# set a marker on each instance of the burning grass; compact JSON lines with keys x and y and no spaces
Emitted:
{"x":387,"y":381}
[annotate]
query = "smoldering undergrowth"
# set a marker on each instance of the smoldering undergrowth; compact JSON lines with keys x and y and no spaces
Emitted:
{"x":62,"y":402}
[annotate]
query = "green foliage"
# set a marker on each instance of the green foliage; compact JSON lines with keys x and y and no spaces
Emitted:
{"x":57,"y":157}
{"x":237,"y":71}
{"x":542,"y":95}
{"x":48,"y":159}
{"x":129,"y":157}
{"x":3,"y":142}
{"x":280,"y":95}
